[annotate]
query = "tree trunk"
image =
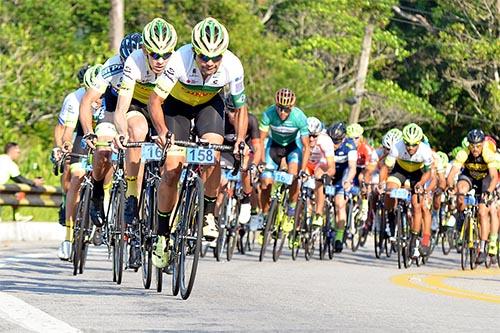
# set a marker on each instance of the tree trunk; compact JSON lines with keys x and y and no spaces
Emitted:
{"x":362,"y":70}
{"x":116,"y":23}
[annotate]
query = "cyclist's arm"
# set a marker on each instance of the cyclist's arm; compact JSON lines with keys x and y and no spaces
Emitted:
{"x":425,"y":177}
{"x":156,"y":112}
{"x":263,"y":136}
{"x":242,"y":123}
{"x":352,"y":164}
{"x":58,"y":132}
{"x":493,"y":178}
{"x":306,"y":151}
{"x":451,"y":176}
{"x":330,"y":162}
{"x":258,"y":150}
{"x":91,"y":95}
{"x":120,"y":117}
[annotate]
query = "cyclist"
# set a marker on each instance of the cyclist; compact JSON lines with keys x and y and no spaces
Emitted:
{"x":189,"y":90}
{"x":252,"y":140}
{"x":479,"y":172}
{"x":410,"y":160}
{"x":366,"y":164}
{"x":281,"y":124}
{"x":68,"y":119}
{"x":141,"y":72}
{"x":346,"y":157}
{"x":321,"y":162}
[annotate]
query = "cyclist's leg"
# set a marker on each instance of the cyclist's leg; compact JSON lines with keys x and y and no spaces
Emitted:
{"x":396,"y":180}
{"x":318,"y":172}
{"x":227,"y":161}
{"x":272,"y":159}
{"x":464,"y":185}
{"x":340,"y":209}
{"x":246,"y":204}
{"x":293,"y":160}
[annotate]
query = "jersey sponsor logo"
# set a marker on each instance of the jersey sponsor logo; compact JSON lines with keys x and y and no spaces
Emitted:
{"x":239,"y":86}
{"x":112,"y":70}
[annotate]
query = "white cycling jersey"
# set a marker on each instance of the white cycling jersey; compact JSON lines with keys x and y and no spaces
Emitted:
{"x":68,"y":116}
{"x":411,"y":163}
{"x":183,"y":80}
{"x":323,"y":149}
{"x":139,"y":80}
{"x":111,"y":74}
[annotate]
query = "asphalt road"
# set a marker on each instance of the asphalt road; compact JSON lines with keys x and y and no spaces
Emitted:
{"x":353,"y":292}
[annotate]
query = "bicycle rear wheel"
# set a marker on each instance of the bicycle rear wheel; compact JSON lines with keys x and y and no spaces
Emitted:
{"x":447,"y":241}
{"x":191,"y":239}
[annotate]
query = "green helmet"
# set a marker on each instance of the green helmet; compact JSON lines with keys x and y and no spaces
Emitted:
{"x":210,"y":38}
{"x":354,"y":130}
{"x":159,"y":36}
{"x":465,"y":143}
{"x":443,"y":157}
{"x":455,"y":151}
{"x":412,"y":134}
{"x":90,"y":75}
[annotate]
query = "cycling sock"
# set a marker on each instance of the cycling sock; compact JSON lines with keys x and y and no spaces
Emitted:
{"x":132,"y":187}
{"x":493,"y":238}
{"x":339,"y":236}
{"x":246,"y":198}
{"x":482,"y":247}
{"x":209,"y":205}
{"x":98,"y":190}
{"x":426,"y":239}
{"x":107,"y":193}
{"x":164,"y":223}
{"x":69,"y":230}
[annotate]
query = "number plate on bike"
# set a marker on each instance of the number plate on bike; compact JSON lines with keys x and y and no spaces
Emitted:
{"x":84,"y":161}
{"x":310,"y":183}
{"x":469,"y":200}
{"x":204,"y":156}
{"x":229,"y":176}
{"x":283,"y":177}
{"x":150,"y":152}
{"x":330,"y":190}
{"x":400,"y":193}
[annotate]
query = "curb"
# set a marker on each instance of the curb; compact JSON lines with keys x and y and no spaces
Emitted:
{"x":31,"y":231}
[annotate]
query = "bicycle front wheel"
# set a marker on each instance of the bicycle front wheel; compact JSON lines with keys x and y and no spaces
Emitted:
{"x":148,"y":225}
{"x":191,"y":236}
{"x":118,"y":204}
{"x":81,"y":224}
{"x":270,"y":220}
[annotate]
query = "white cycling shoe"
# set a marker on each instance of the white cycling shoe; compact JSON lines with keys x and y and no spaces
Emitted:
{"x":64,"y":251}
{"x":245,"y":213}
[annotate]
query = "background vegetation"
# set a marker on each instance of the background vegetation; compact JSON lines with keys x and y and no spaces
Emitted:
{"x":434,"y":62}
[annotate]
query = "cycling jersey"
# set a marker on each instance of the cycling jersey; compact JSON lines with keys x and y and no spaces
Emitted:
{"x":183,"y":80}
{"x":252,"y":131}
{"x":70,"y":111}
{"x":366,"y":155}
{"x":111,"y":74}
{"x":344,"y":153}
{"x":476,"y":167}
{"x":422,"y":159}
{"x":139,"y":80}
{"x":284,"y":132}
{"x":323,"y":149}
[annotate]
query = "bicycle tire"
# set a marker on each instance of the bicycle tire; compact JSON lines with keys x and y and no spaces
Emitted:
{"x":474,"y":252}
{"x":400,"y":242}
{"x":358,"y":234}
{"x":378,"y":232}
{"x":233,"y":235}
{"x":464,"y":251}
{"x":298,"y":226}
{"x":191,"y":242}
{"x":119,"y":232}
{"x":81,"y":221}
{"x":147,"y":227}
{"x":223,"y":225}
{"x":270,"y":221}
{"x":447,"y":241}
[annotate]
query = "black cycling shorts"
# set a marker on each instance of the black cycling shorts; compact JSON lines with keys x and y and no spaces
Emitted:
{"x":208,"y":117}
{"x":480,"y":185}
{"x":77,"y":149}
{"x":402,"y":175}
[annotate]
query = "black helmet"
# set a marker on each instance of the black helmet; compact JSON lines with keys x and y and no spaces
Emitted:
{"x":337,"y":131}
{"x":129,"y":44}
{"x":475,"y":136}
{"x":81,"y":73}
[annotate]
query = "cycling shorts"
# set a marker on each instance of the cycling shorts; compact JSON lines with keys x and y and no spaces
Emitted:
{"x":480,"y":185}
{"x":400,"y":176}
{"x":338,"y":180}
{"x":208,"y":117}
{"x":275,"y":153}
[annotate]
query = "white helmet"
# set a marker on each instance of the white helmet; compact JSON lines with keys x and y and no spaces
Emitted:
{"x":314,"y":125}
{"x":391,"y":137}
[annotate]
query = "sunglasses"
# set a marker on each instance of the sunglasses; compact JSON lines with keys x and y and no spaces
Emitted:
{"x":475,"y":145}
{"x":284,"y":109}
{"x":205,"y":58}
{"x":411,"y":144}
{"x":157,"y":56}
{"x":313,"y":136}
{"x":337,"y":142}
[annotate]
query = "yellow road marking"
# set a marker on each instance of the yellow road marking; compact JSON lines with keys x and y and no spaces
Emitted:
{"x":433,"y":283}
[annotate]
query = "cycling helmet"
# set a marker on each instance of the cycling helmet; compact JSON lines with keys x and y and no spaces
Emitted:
{"x":285,"y":97}
{"x":465,"y":142}
{"x":90,"y":75}
{"x":354,"y":130}
{"x":159,"y":36}
{"x":129,"y":44}
{"x":81,"y":73}
{"x":443,"y":157}
{"x":337,"y":132}
{"x":455,"y":151}
{"x":412,"y":134}
{"x":475,"y":136}
{"x":210,"y":38}
{"x":391,"y":138}
{"x":314,"y":125}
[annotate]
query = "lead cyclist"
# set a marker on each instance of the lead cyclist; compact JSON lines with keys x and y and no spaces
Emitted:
{"x":189,"y":90}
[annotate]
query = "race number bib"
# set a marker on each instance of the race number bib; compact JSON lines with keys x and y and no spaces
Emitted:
{"x":283,"y":177}
{"x":150,"y":152}
{"x":204,"y":156}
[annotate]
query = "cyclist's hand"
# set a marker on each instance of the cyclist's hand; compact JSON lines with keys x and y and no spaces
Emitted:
{"x":236,"y":149}
{"x":261,"y":167}
{"x":67,"y":147}
{"x":419,"y":189}
{"x":381,"y":188}
{"x":487,"y":197}
{"x":55,"y":155}
{"x":90,"y":140}
{"x":120,"y":140}
{"x":302,"y":174}
{"x":347,"y":186}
